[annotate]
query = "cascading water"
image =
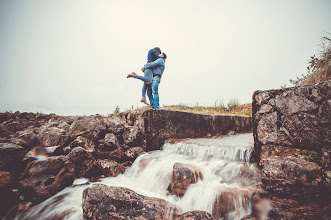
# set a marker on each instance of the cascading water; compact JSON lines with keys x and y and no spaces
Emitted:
{"x":223,"y":162}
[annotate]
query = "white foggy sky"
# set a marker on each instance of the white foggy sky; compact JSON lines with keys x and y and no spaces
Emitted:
{"x":72,"y":57}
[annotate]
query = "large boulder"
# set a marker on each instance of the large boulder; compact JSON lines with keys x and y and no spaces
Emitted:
{"x":52,"y":136}
{"x":109,"y":202}
{"x":303,"y":179}
{"x":115,"y":125}
{"x":183,"y":176}
{"x":109,"y":148}
{"x":84,"y":163}
{"x":91,"y":127}
{"x":83,"y":142}
{"x":26,"y":138}
{"x":110,"y":167}
{"x":43,"y":179}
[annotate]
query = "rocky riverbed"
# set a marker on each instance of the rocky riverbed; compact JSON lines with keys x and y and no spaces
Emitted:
{"x":42,"y":157}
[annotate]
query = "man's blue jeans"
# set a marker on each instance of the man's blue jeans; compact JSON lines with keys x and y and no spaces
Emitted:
{"x":153,"y":92}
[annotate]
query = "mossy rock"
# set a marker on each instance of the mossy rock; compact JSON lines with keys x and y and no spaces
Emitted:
{"x":25,"y":173}
{"x":54,"y":166}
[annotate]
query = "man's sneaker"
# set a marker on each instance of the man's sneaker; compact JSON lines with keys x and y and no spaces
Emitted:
{"x":132,"y":75}
{"x":143,"y":100}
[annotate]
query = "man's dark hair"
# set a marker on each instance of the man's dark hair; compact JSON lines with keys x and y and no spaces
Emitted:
{"x":164,"y":55}
{"x":158,"y":50}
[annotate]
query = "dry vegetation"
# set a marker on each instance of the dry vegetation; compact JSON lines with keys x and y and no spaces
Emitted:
{"x":240,"y":110}
{"x":319,"y":68}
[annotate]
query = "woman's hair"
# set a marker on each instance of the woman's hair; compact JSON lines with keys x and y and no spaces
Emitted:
{"x":164,"y":55}
{"x":158,"y":50}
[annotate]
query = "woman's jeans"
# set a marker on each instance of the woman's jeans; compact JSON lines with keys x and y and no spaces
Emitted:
{"x":147,"y":79}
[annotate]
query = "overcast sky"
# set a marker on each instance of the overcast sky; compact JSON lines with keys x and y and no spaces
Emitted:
{"x":72,"y":57}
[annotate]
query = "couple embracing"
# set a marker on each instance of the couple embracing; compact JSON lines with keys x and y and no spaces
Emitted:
{"x":153,"y":71}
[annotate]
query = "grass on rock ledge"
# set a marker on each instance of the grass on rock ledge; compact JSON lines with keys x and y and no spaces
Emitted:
{"x":235,"y":110}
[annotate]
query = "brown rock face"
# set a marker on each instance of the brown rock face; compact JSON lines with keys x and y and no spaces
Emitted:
{"x":108,"y":202}
{"x":91,"y":127}
{"x":297,"y":117}
{"x":42,"y":179}
{"x":109,"y":148}
{"x":110,"y":168}
{"x":294,"y":178}
{"x":84,"y":163}
{"x":183,"y":176}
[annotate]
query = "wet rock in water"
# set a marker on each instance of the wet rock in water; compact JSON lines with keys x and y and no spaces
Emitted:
{"x":144,"y":162}
{"x":230,"y":199}
{"x":183,"y":176}
{"x":131,"y":136}
{"x":303,"y":179}
{"x":246,"y":175}
{"x":195,"y":215}
{"x":84,"y":163}
{"x":52,"y":136}
{"x":110,"y":168}
{"x":83,"y":142}
{"x":109,"y":202}
{"x":115,"y":125}
{"x":260,"y":204}
{"x":133,"y":153}
{"x":92,"y":127}
{"x":43,"y":179}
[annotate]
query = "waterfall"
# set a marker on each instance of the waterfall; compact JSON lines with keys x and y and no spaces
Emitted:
{"x":223,"y":162}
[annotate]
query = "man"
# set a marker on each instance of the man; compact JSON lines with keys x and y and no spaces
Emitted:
{"x":158,"y":67}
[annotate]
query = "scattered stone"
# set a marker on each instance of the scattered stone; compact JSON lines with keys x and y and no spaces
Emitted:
{"x":84,"y":163}
{"x":134,"y":152}
{"x":52,"y":136}
{"x":115,"y":125}
{"x":83,"y":142}
{"x":110,"y":168}
{"x":131,"y":136}
{"x":91,"y":127}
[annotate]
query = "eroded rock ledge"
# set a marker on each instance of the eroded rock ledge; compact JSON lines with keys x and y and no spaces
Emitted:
{"x":292,"y":129}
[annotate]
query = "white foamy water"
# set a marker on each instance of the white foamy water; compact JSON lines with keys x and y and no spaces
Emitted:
{"x":222,"y":161}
